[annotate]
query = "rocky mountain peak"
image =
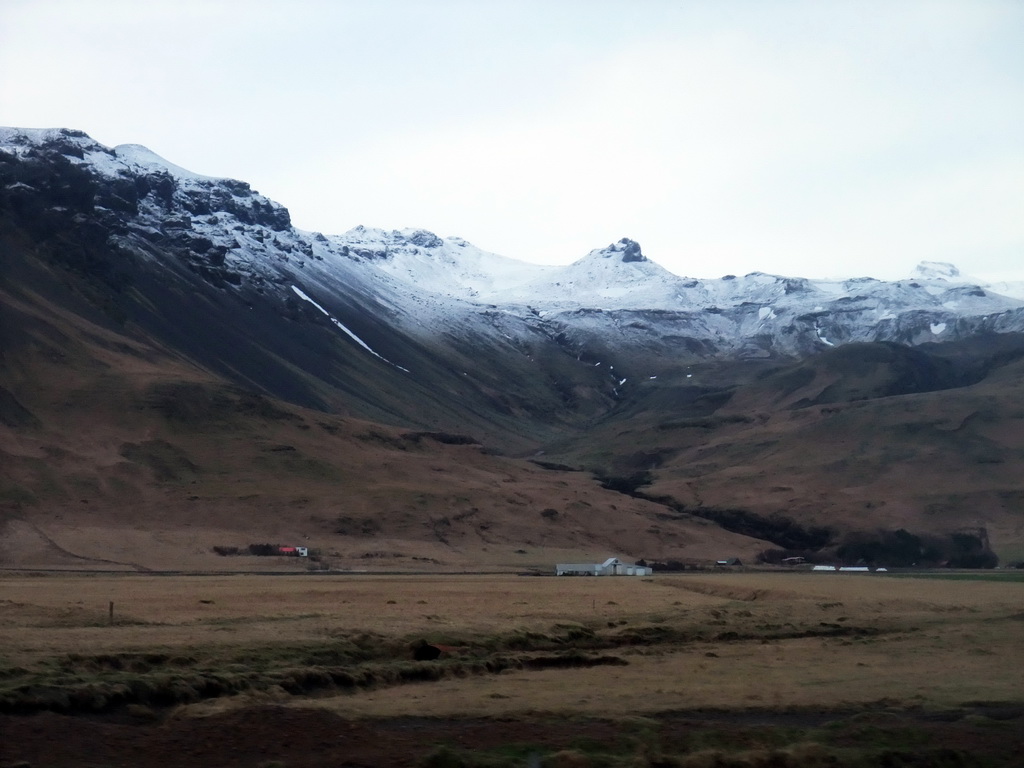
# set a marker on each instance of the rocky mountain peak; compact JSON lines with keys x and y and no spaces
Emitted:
{"x":936,"y":270}
{"x":425,"y":239}
{"x":625,"y":250}
{"x":61,"y":140}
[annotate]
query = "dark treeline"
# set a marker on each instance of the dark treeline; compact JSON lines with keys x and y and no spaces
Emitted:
{"x":779,"y":530}
{"x":898,"y":549}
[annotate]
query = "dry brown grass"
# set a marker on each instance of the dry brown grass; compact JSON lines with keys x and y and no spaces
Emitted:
{"x":729,"y":640}
{"x":943,"y":644}
{"x":63,"y":613}
{"x":812,"y":673}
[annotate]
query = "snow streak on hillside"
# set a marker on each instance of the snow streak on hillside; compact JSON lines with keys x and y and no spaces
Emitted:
{"x":345,"y":329}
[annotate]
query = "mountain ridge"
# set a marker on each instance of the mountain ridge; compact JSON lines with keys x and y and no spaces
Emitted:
{"x":126,"y":278}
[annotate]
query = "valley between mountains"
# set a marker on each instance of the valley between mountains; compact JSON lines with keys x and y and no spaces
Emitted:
{"x":182,"y":369}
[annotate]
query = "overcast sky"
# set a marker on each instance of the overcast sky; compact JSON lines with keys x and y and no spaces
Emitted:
{"x":818,"y":139}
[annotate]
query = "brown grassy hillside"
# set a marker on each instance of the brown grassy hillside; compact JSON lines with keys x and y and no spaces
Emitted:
{"x":116,"y":454}
{"x":861,"y":437}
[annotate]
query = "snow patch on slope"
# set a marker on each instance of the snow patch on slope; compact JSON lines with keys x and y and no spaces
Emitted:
{"x":141,"y":157}
{"x":349,"y":333}
{"x":936,"y":270}
{"x":447,"y":266}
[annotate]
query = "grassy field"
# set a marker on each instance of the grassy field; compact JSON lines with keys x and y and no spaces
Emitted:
{"x":514,"y":647}
{"x":998,"y":576}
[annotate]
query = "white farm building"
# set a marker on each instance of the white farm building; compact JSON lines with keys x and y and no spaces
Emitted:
{"x":610,"y":567}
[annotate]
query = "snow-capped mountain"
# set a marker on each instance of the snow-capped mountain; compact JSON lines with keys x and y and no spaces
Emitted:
{"x":445,"y":266}
{"x":938,"y":272}
{"x":414,"y":302}
{"x":621,"y":277}
{"x":135,"y":294}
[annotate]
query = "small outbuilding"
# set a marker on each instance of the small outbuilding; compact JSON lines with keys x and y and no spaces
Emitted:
{"x":610,"y":567}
